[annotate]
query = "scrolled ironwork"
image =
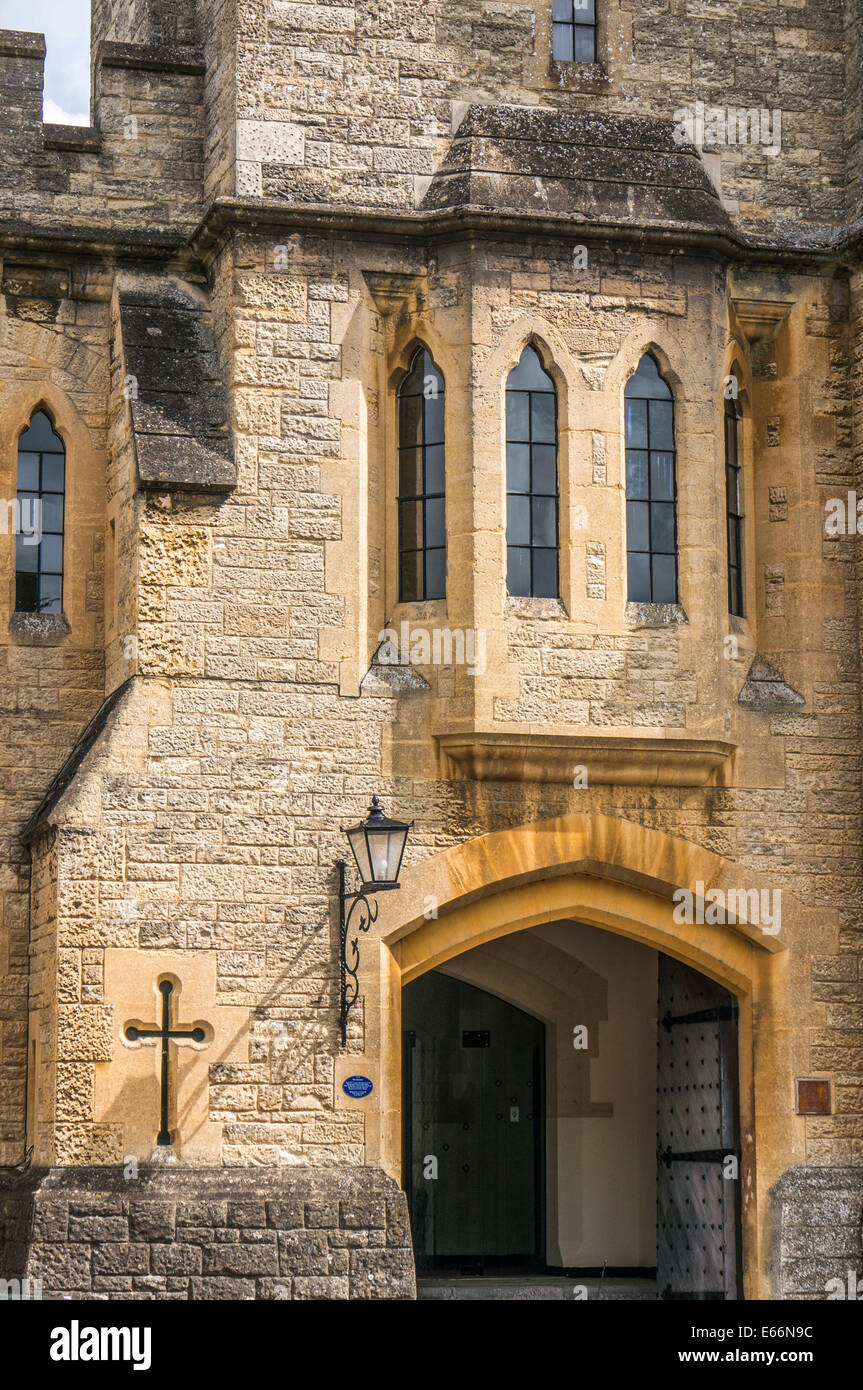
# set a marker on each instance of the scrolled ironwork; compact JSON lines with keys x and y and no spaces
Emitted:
{"x":349,"y":950}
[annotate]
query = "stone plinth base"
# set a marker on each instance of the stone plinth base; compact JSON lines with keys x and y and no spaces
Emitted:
{"x":817,"y":1216}
{"x":181,"y":1233}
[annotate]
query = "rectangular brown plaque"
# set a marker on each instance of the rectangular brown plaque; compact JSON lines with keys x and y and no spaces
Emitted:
{"x":813,"y":1095}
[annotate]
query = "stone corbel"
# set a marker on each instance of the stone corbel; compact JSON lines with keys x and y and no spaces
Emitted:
{"x":394,"y":292}
{"x":760,"y":319}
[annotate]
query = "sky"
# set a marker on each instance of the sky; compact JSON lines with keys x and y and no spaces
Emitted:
{"x":66,"y":26}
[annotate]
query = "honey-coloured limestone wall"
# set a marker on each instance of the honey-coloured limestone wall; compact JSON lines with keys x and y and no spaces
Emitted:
{"x":179,"y":762}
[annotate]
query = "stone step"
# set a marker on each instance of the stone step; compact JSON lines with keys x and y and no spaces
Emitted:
{"x":534,"y":1290}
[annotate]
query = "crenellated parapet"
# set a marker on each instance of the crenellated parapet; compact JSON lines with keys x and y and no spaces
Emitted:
{"x":353,"y":107}
{"x":135,"y":173}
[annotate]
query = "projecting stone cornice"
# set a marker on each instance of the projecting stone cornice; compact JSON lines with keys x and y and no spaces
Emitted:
{"x":149,"y":57}
{"x":15,"y":43}
{"x":412,"y":227}
{"x":423,"y":226}
{"x":606,"y":759}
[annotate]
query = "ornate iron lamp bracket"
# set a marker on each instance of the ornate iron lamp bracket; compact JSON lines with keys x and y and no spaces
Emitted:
{"x":366,"y":908}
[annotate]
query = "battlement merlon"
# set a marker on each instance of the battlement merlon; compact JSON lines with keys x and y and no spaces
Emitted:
{"x":22,"y":75}
{"x":165,"y":23}
{"x":135,"y":175}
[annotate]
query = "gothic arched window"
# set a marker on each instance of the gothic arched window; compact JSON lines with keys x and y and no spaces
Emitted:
{"x":422,"y":470}
{"x":531,"y":480}
{"x":39,"y":539}
{"x":651,"y":493}
{"x":574,"y":31}
{"x":733,"y":507}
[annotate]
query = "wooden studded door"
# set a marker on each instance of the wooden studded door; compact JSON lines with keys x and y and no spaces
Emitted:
{"x":698,"y":1186}
{"x":473,"y":1127}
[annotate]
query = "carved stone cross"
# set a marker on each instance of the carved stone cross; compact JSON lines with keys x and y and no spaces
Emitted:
{"x":167,"y":1035}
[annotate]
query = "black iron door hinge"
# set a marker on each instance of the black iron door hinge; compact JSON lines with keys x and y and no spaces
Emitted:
{"x":723,"y":1013}
{"x":667,"y":1157}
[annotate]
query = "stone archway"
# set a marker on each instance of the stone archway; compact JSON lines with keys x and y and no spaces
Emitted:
{"x":621,"y":877}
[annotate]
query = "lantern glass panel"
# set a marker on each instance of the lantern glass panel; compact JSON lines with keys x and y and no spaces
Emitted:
{"x":386,"y":852}
{"x":359,"y":847}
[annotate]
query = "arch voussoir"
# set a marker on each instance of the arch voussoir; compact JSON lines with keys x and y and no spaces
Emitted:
{"x":610,"y":872}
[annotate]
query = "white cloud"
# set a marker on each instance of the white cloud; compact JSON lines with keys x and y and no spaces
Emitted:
{"x":55,"y":115}
{"x":66,"y":26}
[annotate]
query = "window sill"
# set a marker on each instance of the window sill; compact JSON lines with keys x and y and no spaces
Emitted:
{"x":525,"y":607}
{"x":418,"y":610}
{"x":580,"y":77}
{"x":655,"y":615}
{"x":39,"y":629}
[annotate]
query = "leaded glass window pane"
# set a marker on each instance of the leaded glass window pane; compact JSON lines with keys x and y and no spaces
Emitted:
{"x":574,"y":31}
{"x":651,"y":493}
{"x":40,"y":518}
{"x":533,"y":503}
{"x":733,"y":509}
{"x":422,"y":481}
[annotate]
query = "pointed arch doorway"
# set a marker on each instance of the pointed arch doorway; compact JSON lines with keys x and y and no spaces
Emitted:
{"x":619,"y":877}
{"x":538,"y":1145}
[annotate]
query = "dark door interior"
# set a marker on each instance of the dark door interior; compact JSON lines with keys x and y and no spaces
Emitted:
{"x":474,"y":1127}
{"x":698,"y":1189}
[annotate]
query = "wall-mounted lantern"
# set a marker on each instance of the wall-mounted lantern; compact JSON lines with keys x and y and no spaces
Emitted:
{"x":378,"y":846}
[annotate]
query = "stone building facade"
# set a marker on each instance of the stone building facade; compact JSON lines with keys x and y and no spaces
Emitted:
{"x":215,"y":293}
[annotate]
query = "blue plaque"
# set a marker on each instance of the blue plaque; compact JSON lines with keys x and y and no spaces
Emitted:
{"x":357,"y":1087}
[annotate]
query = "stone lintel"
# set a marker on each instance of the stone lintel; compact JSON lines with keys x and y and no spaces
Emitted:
{"x":608,"y":759}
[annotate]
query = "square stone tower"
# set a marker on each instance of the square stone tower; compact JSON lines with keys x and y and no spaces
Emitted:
{"x":458,"y":404}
